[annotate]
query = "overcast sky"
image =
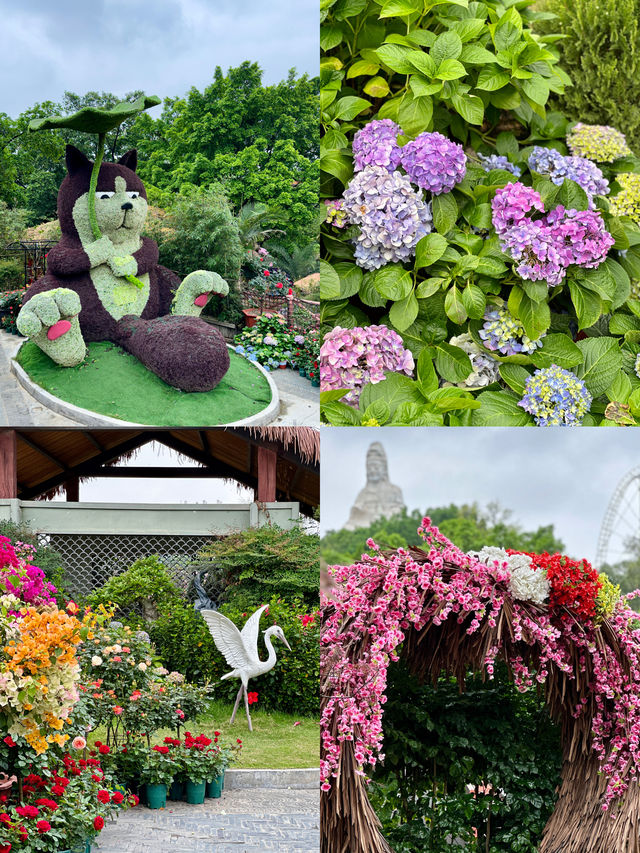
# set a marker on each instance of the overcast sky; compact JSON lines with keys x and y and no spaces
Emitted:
{"x":560,"y":476}
{"x":161,"y":491}
{"x":160,"y":46}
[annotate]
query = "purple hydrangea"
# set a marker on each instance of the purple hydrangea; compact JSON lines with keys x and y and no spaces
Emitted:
{"x":351,"y":358}
{"x":544,"y":248}
{"x":498,"y":161}
{"x":434,"y":162}
{"x":556,"y":397}
{"x":376,"y":144}
{"x":392,"y":217}
{"x":548,"y":161}
{"x":502,"y":333}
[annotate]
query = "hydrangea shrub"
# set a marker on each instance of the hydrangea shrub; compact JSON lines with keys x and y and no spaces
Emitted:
{"x":460,"y":211}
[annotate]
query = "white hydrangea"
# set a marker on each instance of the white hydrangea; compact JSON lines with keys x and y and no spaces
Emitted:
{"x":526,"y":583}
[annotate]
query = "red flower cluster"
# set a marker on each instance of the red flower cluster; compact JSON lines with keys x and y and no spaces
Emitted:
{"x":573,"y":584}
{"x":199,"y":742}
{"x":252,"y":697}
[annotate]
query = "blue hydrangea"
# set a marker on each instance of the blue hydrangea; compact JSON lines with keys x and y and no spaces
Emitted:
{"x":502,"y":333}
{"x":556,"y":397}
{"x":498,"y":161}
{"x":391,"y":216}
{"x":548,"y":161}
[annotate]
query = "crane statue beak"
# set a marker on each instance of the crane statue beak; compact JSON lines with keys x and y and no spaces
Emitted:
{"x":284,"y":640}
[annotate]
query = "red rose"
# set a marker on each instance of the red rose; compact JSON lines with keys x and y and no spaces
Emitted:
{"x":9,"y":741}
{"x":43,"y":826}
{"x":117,"y":797}
{"x":279,"y":285}
{"x":162,"y":749}
{"x":104,"y":750}
{"x":58,"y":790}
{"x":98,"y":823}
{"x":27,"y":811}
{"x":49,"y":804}
{"x":5,"y":848}
{"x":103,"y":796}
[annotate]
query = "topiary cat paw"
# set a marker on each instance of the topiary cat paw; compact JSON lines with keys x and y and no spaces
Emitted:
{"x":196,"y":290}
{"x":50,"y":320}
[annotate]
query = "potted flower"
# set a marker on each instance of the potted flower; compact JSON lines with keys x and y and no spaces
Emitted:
{"x":158,"y":774}
{"x":194,"y":767}
{"x":214,"y":763}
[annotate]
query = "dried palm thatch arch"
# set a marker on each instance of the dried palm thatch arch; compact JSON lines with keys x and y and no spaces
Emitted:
{"x":578,"y":824}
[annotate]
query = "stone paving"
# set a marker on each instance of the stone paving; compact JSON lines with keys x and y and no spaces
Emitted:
{"x":241,"y":821}
{"x":299,"y":401}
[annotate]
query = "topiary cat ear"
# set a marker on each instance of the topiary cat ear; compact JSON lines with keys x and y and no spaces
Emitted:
{"x":130,"y":160}
{"x":76,"y":160}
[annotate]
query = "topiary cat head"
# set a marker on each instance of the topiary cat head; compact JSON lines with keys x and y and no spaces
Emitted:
{"x":119,"y":198}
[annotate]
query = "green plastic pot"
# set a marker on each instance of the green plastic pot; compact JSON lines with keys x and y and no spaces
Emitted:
{"x":223,"y":780}
{"x":156,"y":796}
{"x":142,"y":794}
{"x":176,"y":791}
{"x":214,"y":787}
{"x":196,"y":792}
{"x":302,"y":371}
{"x":315,"y":383}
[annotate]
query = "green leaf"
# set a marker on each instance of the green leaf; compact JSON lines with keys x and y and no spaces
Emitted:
{"x":470,"y":108}
{"x":427,"y":288}
{"x":468,"y":29}
{"x":450,"y":69}
{"x":620,"y":324}
{"x":445,"y":212}
{"x":600,"y":280}
{"x":515,"y":376}
{"x":333,"y":395}
{"x":474,"y":301}
{"x":452,"y":363}
{"x":622,"y":283}
{"x":404,"y":312}
{"x":454,"y":306}
{"x":339,"y":414}
{"x":348,"y":108}
{"x":429,"y":250}
{"x":587,"y":304}
{"x":378,"y":410}
{"x":423,"y":63}
{"x":634,"y":402}
{"x":350,"y":278}
{"x":396,"y":57}
{"x":393,"y":282}
{"x":507,"y":144}
{"x":361,"y":68}
{"x":491,"y":79}
{"x":426,"y":373}
{"x":368,"y":293}
{"x":452,"y":399}
{"x":474,"y":54}
{"x":348,"y":9}
{"x":480,"y":216}
{"x":398,"y":8}
{"x":537,"y":89}
{"x":535,"y":316}
{"x":415,"y":114}
{"x":97,"y":119}
{"x":557,"y":349}
{"x":620,"y":389}
{"x":448,"y":45}
{"x":421,"y":87}
{"x":394,"y":390}
{"x":337,"y":164}
{"x":498,"y":408}
{"x":377,"y":87}
{"x":572,"y":196}
{"x":602,"y":359}
{"x":329,"y":282}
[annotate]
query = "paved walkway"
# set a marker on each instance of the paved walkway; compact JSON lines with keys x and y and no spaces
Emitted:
{"x":299,"y":401}
{"x":241,"y":821}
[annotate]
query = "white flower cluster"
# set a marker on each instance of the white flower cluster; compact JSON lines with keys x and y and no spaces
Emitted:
{"x":526,"y":583}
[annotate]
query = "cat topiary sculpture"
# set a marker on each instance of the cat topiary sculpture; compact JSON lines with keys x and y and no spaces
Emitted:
{"x":112,"y":288}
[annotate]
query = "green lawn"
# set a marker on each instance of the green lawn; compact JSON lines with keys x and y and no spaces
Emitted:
{"x":274,"y":743}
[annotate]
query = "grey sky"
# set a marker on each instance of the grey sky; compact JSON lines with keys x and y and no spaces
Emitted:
{"x":560,"y":476}
{"x":161,"y":491}
{"x":160,"y":46}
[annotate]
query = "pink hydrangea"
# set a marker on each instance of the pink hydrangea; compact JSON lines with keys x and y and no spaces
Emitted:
{"x":352,"y":358}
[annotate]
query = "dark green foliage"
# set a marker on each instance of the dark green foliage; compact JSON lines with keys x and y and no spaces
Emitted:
{"x":183,"y":641}
{"x":468,"y":526}
{"x":251,"y":566}
{"x":145,"y":587}
{"x":438,"y":741}
{"x":11,"y":273}
{"x":47,"y":559}
{"x":203,"y":235}
{"x":601,"y":53}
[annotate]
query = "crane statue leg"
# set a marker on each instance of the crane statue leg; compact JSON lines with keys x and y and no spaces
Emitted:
{"x":235,"y":707}
{"x":246,"y":705}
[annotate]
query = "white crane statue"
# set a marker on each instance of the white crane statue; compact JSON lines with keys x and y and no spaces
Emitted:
{"x":240,"y":649}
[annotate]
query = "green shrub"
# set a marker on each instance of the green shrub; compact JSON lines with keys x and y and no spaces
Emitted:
{"x":146,"y":586}
{"x":438,"y":741}
{"x":601,"y":53}
{"x":250,"y":566}
{"x":183,"y":642}
{"x":11,"y":273}
{"x":10,"y":304}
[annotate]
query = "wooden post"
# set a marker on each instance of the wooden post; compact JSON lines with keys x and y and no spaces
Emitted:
{"x":8,"y":464}
{"x":267,"y":460}
{"x":72,"y":489}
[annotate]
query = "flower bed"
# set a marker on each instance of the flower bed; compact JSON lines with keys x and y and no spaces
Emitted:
{"x":495,"y":244}
{"x":553,"y":620}
{"x":274,"y":345}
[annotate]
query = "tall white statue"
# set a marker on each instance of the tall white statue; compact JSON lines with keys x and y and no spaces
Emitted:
{"x":379,"y":498}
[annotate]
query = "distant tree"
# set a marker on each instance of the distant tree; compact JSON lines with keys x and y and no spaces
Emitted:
{"x":299,"y":262}
{"x":252,"y":224}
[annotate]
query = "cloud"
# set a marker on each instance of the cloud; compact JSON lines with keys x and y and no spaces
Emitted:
{"x":162,"y":48}
{"x":564,"y":477}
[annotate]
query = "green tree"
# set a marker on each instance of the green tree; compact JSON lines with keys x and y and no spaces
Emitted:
{"x":299,"y":262}
{"x":252,"y":224}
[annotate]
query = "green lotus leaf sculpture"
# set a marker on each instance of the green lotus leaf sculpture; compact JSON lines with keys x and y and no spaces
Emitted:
{"x":98,"y":120}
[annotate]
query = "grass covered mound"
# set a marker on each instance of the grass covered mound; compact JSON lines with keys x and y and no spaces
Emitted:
{"x":112,"y":382}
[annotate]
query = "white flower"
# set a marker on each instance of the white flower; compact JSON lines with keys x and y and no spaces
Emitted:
{"x":96,"y":660}
{"x":526,"y":583}
{"x":142,"y":666}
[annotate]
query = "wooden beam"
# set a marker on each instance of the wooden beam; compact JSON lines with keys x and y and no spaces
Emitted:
{"x":267,"y":461}
{"x":158,"y":472}
{"x":72,"y":489}
{"x":8,"y":464}
{"x":42,"y":451}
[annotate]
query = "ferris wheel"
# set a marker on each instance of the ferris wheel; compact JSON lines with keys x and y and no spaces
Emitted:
{"x":621,"y":523}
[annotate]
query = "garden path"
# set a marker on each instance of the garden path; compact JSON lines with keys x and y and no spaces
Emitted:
{"x":241,"y":821}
